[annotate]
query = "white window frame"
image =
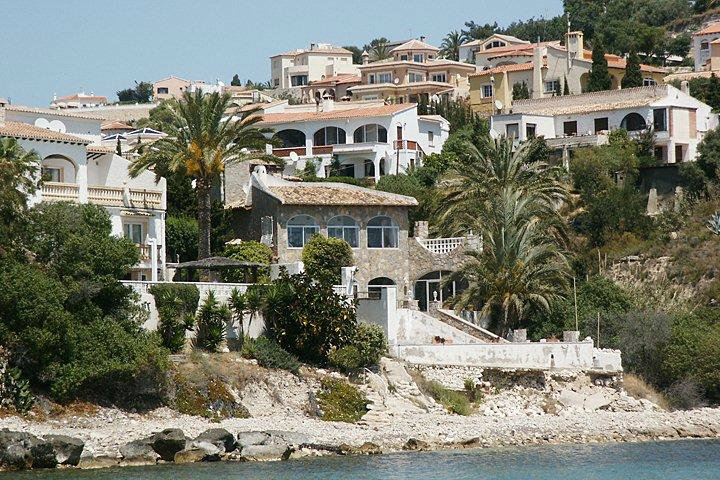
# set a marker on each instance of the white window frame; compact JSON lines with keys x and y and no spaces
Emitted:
{"x":439,"y":77}
{"x":306,"y":230}
{"x":385,"y":76}
{"x":415,"y":77}
{"x":431,"y":138}
{"x":130,"y":229}
{"x":418,"y":58}
{"x":649,"y":82}
{"x":46,"y":172}
{"x":514,"y":126}
{"x":487,"y":90}
{"x":345,"y":231}
{"x":554,"y":86}
{"x":392,"y":230}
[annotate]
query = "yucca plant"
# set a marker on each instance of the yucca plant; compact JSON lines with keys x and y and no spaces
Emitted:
{"x":714,"y":223}
{"x":211,"y":321}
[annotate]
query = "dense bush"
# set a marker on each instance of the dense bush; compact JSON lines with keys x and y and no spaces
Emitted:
{"x":324,"y":257}
{"x":181,"y":234}
{"x":250,"y":251}
{"x":453,"y":401}
{"x":15,"y":394}
{"x":211,"y":321}
{"x":346,"y":359}
{"x":366,"y":345}
{"x":306,"y":318}
{"x":176,"y":305}
{"x":269,"y":354}
{"x":341,"y":401}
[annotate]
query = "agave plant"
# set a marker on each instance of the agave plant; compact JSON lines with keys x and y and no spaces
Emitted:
{"x":714,"y":223}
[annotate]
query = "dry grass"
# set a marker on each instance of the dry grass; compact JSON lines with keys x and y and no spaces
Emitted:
{"x":636,"y":387}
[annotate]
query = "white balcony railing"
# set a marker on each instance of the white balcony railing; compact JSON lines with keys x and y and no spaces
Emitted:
{"x":63,"y":192}
{"x":441,"y":246}
{"x":113,"y":196}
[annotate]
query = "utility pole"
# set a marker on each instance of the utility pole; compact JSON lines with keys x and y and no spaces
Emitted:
{"x":576,"y":311}
{"x":598,"y":329}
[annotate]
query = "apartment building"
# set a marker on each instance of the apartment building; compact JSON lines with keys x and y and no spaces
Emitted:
{"x":678,"y":120}
{"x":413,"y":73}
{"x":297,"y":68}
{"x":77,"y":168}
{"x":546,"y":68}
{"x":170,"y":87}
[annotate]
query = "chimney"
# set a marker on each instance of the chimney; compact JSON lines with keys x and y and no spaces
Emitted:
{"x":685,"y":87}
{"x":537,"y":80}
{"x":423,"y":38}
{"x":365,"y":57}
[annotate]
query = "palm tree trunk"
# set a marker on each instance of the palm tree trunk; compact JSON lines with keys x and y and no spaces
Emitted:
{"x":203,"y":217}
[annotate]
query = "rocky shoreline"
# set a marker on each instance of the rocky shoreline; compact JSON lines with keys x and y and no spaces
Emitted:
{"x":114,"y":438}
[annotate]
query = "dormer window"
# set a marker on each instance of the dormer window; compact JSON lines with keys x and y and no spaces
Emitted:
{"x":403,"y":58}
{"x":418,"y":58}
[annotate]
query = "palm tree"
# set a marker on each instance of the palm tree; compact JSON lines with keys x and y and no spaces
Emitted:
{"x":378,"y":49}
{"x":450,"y":46}
{"x":18,"y":177}
{"x":200,"y":143}
{"x":520,"y":267}
{"x":466,"y":191}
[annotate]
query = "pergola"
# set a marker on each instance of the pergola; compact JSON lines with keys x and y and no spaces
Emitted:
{"x":222,"y":263}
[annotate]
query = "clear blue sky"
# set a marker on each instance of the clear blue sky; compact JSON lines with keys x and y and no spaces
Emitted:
{"x":61,"y":46}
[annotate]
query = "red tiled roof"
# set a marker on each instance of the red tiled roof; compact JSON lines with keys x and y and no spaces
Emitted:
{"x":516,"y":67}
{"x":337,"y":194}
{"x":81,"y":97}
{"x":100,"y":149}
{"x":46,"y":111}
{"x":712,"y":28}
{"x":115,"y":126}
{"x":380,"y":111}
{"x":334,"y":80}
{"x":25,"y":131}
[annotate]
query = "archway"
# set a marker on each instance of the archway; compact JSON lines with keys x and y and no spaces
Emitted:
{"x":432,"y":287}
{"x":59,"y":168}
{"x":633,"y":122}
{"x":291,"y":138}
{"x":376,"y":285}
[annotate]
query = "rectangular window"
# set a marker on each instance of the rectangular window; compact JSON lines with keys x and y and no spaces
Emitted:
{"x":415,"y":77}
{"x":163,"y":90}
{"x":649,"y":82}
{"x":431,"y":138}
{"x":439,"y":77}
{"x":512,"y":130}
{"x":601,"y":125}
{"x":385,"y":78}
{"x":403,"y":58}
{"x":660,"y":119}
{"x":298,"y":80}
{"x":660,"y":153}
{"x":704,"y":45}
{"x":570,"y":128}
{"x":298,"y":236}
{"x":50,"y":174}
{"x":487,"y":91}
{"x":530,"y":129}
{"x":552,"y":86}
{"x":371,"y":79}
{"x":418,"y":58}
{"x":349,"y":234}
{"x":133,"y":231}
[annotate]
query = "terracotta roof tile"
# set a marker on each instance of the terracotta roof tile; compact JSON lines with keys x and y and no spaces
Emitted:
{"x":712,"y":28}
{"x":336,"y":79}
{"x":115,"y":126}
{"x":48,"y":111}
{"x":77,"y":96}
{"x":100,"y":149}
{"x":25,"y":131}
{"x":415,"y":45}
{"x":516,"y":67}
{"x":337,"y":194}
{"x":380,"y":111}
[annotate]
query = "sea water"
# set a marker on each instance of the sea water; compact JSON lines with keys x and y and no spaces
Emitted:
{"x":686,"y":460}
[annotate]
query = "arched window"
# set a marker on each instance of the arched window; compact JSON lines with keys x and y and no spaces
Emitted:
{"x":633,"y":122}
{"x":299,"y":230}
{"x":329,"y":136}
{"x":382,"y":232}
{"x":291,"y":138}
{"x":375,"y":286}
{"x":344,"y":227}
{"x":370,"y":133}
{"x":58,"y":168}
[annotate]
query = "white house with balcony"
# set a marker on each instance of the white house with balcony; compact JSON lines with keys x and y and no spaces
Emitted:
{"x":356,"y":139}
{"x":297,"y":68}
{"x":678,"y":120}
{"x":77,"y":168}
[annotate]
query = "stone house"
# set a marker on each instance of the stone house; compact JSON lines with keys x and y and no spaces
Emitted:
{"x":285,"y":214}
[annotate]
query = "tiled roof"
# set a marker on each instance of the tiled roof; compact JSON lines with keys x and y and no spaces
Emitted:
{"x":379,"y":111}
{"x":47,"y":111}
{"x":433,"y":118}
{"x":507,"y":38}
{"x":78,"y":96}
{"x":100,"y":149}
{"x":712,"y":28}
{"x":415,"y":45}
{"x":115,"y":126}
{"x":690,"y":75}
{"x":516,"y":48}
{"x":591,"y":102}
{"x":25,"y":131}
{"x":336,"y":79}
{"x":327,"y":193}
{"x":321,"y":51}
{"x":516,"y":67}
{"x":438,"y":62}
{"x":171,"y":77}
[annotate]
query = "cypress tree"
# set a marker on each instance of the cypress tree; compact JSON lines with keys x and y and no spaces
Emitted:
{"x":235,"y":82}
{"x":633,"y":76}
{"x":118,"y":148}
{"x":520,"y":91}
{"x":599,"y":75}
{"x":566,"y":88}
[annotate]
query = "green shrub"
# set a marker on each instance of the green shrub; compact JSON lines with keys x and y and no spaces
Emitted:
{"x":370,"y":341}
{"x":346,"y":359}
{"x":181,"y":234}
{"x":176,"y":305}
{"x":454,"y":402}
{"x":269,"y":354}
{"x":323,"y":258}
{"x":211,"y":321}
{"x":15,"y":394}
{"x":213,"y":400}
{"x":306,"y":318}
{"x":341,"y":401}
{"x":250,"y":251}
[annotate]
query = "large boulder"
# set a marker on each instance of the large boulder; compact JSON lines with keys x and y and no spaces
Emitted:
{"x":266,"y":453}
{"x":15,"y":450}
{"x":245,"y":439}
{"x":280,"y":437}
{"x":219,"y":437}
{"x":168,"y":442}
{"x":138,"y":452}
{"x":67,"y":450}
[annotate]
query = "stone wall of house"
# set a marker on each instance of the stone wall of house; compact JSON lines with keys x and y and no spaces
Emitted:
{"x":246,"y":223}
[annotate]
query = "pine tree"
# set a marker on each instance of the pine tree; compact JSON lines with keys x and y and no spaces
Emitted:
{"x":520,"y":91}
{"x":599,"y":76}
{"x":235,"y":82}
{"x":566,"y":88}
{"x":633,"y":76}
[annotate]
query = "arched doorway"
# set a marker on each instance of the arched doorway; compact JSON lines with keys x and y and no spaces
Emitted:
{"x":376,"y":285}
{"x":59,"y":168}
{"x":633,"y":122}
{"x":429,"y":288}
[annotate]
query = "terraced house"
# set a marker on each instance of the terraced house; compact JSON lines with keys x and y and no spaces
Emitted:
{"x":415,"y":72}
{"x":77,"y":168}
{"x":355,"y":139}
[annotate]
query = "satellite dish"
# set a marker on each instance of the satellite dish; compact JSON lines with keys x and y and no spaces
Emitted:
{"x":396,"y":81}
{"x":294,"y":157}
{"x":42,"y":123}
{"x":498,"y":105}
{"x":57,"y":126}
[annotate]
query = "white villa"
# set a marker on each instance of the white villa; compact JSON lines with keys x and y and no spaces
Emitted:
{"x":367,"y":139}
{"x":678,"y":120}
{"x":77,"y":168}
{"x":298,"y":68}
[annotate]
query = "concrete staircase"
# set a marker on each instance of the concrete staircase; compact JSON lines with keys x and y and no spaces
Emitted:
{"x":449,"y":317}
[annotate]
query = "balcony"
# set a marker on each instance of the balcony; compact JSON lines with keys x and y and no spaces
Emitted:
{"x":323,"y":150}
{"x":441,"y":246}
{"x":285,"y":152}
{"x":60,"y":192}
{"x":406,"y":145}
{"x":114,"y":197}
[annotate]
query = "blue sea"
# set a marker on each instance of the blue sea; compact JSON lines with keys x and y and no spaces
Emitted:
{"x":693,"y":459}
